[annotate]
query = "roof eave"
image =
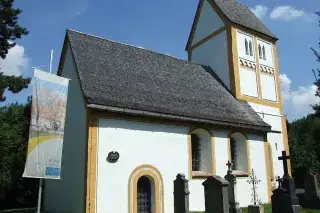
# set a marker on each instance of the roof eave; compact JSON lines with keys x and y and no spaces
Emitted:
{"x":178,"y":118}
{"x":273,"y":38}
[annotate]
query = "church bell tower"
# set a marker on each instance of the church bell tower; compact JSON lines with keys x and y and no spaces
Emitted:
{"x":239,"y":48}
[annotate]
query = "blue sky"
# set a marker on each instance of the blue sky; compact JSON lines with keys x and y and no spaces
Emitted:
{"x":164,"y":26}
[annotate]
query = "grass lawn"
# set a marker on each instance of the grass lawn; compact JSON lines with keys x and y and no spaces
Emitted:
{"x":267,"y":209}
{"x":19,"y":211}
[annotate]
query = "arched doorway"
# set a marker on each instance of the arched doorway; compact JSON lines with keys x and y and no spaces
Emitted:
{"x":145,"y":190}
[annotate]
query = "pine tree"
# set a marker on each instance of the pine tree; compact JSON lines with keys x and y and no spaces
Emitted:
{"x":10,"y":31}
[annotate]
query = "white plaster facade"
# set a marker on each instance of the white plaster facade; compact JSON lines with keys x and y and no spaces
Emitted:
{"x":268,"y":87}
{"x":273,"y":116}
{"x":248,"y":82}
{"x":165,"y":147}
{"x":208,"y":23}
{"x":242,"y":37}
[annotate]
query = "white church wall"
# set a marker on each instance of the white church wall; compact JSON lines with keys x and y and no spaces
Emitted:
{"x":163,"y":146}
{"x":268,"y":61}
{"x":241,"y":37}
{"x":68,"y":194}
{"x":272,"y":116}
{"x":214,"y":53}
{"x":208,"y":23}
{"x":248,"y":82}
{"x":166,"y":148}
{"x":221,"y":158}
{"x":268,"y":87}
{"x":257,"y":162}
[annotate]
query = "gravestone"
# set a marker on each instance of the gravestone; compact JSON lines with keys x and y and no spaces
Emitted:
{"x":284,"y":199}
{"x":181,"y":194}
{"x":231,"y":178}
{"x":216,"y":195}
{"x":312,"y":187}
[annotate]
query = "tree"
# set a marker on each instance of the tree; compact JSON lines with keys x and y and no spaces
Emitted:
{"x":304,"y":138}
{"x":317,"y":75}
{"x":15,"y":191}
{"x":10,"y":31}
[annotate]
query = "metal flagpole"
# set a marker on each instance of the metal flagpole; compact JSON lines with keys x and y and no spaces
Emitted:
{"x":51,"y":58}
{"x":41,"y":180}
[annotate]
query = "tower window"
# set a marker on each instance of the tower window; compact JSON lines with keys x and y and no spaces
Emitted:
{"x":264,"y":53}
{"x":246,"y":46}
{"x":260,"y":51}
{"x":251,"y":48}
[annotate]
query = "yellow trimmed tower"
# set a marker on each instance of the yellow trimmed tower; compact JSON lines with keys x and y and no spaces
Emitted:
{"x":229,"y":38}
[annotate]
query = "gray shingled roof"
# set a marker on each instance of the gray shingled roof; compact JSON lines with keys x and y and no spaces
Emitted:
{"x":120,"y":76}
{"x":242,"y":15}
{"x":236,"y":13}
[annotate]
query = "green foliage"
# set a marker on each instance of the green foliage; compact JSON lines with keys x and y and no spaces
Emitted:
{"x":15,"y":191}
{"x":10,"y":30}
{"x":13,"y":84}
{"x":304,"y":140}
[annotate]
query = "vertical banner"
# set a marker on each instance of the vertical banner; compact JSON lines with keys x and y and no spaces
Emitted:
{"x":48,"y":111}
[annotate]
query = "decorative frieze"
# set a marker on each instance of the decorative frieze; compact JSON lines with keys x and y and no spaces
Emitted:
{"x":266,"y":69}
{"x":248,"y":64}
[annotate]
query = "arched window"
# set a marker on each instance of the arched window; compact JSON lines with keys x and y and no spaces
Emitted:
{"x":144,"y":195}
{"x":246,"y":46}
{"x":201,"y":152}
{"x":264,"y":53}
{"x":239,"y":153}
{"x":251,"y":48}
{"x":260,"y":52}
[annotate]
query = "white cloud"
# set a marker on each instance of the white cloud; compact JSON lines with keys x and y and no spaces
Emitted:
{"x":287,"y":13}
{"x":260,"y":11}
{"x":15,"y":61}
{"x":297,"y":102}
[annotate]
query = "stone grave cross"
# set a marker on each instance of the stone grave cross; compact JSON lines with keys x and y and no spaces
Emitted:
{"x":229,"y":164}
{"x":279,"y":180}
{"x":285,"y":159}
{"x":254,"y":181}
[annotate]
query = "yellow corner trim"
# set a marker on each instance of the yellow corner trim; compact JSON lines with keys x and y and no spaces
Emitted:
{"x":268,"y":171}
{"x":91,"y":164}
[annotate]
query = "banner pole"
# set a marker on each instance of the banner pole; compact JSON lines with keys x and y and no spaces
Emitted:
{"x":51,"y":58}
{"x":40,"y":195}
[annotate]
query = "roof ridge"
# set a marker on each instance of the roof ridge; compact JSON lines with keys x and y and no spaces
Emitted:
{"x":130,"y":45}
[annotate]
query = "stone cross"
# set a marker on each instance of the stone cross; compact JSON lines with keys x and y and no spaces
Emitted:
{"x":229,"y":164}
{"x":279,"y":181}
{"x":285,"y":159}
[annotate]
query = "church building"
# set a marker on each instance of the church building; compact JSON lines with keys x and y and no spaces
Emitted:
{"x":136,"y":118}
